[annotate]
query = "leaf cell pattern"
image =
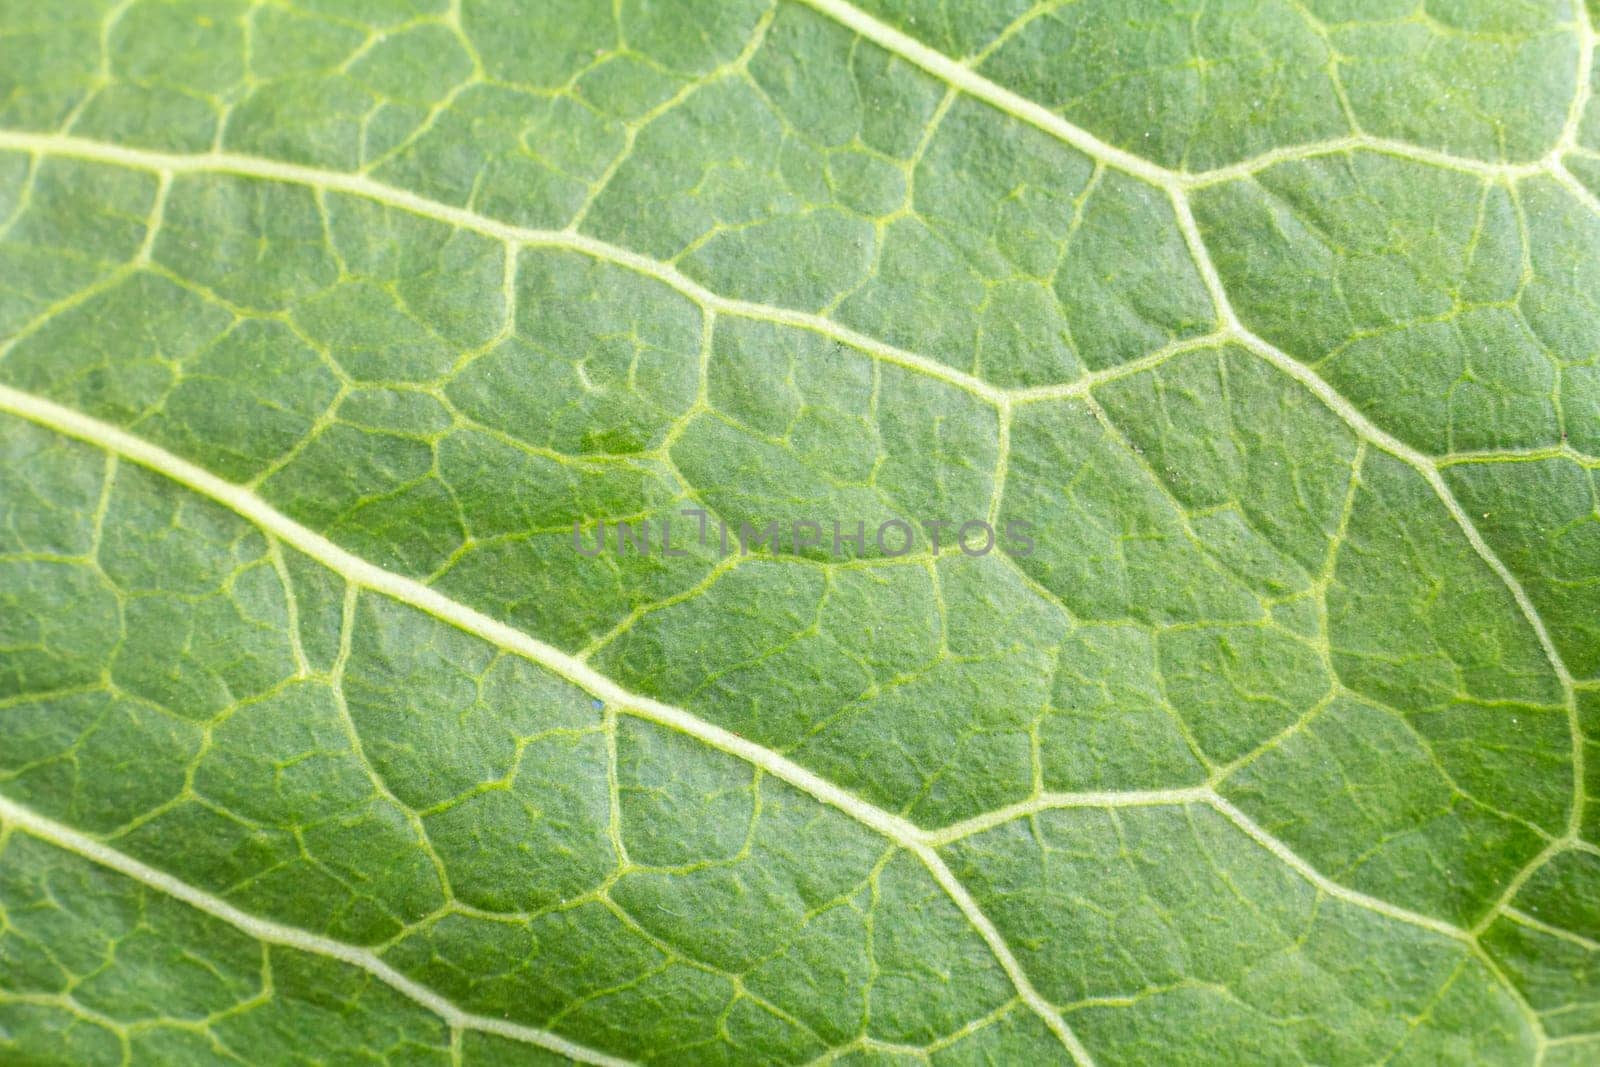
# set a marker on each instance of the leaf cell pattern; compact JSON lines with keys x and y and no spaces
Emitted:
{"x":321,"y":321}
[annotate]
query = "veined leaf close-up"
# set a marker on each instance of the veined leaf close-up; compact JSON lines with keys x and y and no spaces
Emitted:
{"x":776,"y":532}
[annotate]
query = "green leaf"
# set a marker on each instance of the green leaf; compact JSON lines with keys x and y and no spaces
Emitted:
{"x":1272,"y":327}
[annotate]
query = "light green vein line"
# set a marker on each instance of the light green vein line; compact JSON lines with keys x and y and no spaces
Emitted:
{"x":361,"y":573}
{"x":1222,"y":806}
{"x":1588,"y":42}
{"x":1520,"y":455}
{"x":360,"y":185}
{"x":975,"y":85}
{"x":1260,"y":836}
{"x":1132,"y":798}
{"x":1522,"y":918}
{"x":1086,"y":385}
{"x":70,"y":840}
{"x":966,"y":80}
{"x":1362,"y":143}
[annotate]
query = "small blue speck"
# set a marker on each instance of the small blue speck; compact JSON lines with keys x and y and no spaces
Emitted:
{"x":598,"y":704}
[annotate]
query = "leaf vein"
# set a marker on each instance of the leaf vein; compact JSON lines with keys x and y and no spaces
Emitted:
{"x":265,"y":930}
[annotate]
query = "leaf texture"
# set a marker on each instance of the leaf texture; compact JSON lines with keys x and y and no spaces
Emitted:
{"x":322,"y":322}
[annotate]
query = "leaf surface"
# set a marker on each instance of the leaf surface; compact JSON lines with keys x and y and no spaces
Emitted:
{"x":321,"y":324}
